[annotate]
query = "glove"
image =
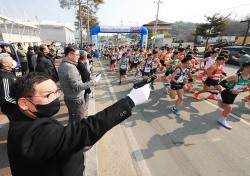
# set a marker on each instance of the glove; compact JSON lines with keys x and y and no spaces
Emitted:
{"x":140,"y":95}
{"x":97,"y":78}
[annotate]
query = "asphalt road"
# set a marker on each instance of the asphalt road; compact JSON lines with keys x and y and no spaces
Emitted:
{"x":154,"y":141}
{"x":160,"y":143}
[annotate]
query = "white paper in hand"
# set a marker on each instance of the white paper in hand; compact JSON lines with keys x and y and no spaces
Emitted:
{"x":97,"y":78}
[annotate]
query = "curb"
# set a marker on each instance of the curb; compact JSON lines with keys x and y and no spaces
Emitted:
{"x":3,"y":120}
{"x":91,"y":158}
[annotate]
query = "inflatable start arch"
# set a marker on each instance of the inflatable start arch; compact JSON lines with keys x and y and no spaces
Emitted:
{"x":121,"y":29}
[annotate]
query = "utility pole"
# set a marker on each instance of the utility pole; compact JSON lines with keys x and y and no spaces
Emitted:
{"x":248,"y":26}
{"x":156,"y":20}
{"x":80,"y":21}
{"x":121,"y":22}
{"x":88,"y":35}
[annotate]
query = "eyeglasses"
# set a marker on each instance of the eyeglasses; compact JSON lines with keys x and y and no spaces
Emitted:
{"x":75,"y":54}
{"x":50,"y":96}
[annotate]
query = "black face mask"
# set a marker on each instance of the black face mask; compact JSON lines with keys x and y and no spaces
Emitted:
{"x":47,"y":110}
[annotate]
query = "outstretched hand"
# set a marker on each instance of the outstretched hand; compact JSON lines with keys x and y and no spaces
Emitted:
{"x":140,"y":95}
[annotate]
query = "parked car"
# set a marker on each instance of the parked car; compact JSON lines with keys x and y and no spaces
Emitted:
{"x":234,"y":52}
{"x":13,"y":53}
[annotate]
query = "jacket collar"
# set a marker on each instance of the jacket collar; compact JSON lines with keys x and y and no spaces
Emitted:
{"x":4,"y":70}
{"x":68,"y":61}
{"x":21,"y":116}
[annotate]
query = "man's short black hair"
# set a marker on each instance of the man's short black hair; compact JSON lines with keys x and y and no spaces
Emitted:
{"x":221,"y":58}
{"x":3,"y":45}
{"x":89,"y":56}
{"x":69,"y":49}
{"x":185,"y":59}
{"x":30,"y":48}
{"x":242,"y":52}
{"x":155,"y":51}
{"x":246,"y":64}
{"x":224,"y":55}
{"x":176,"y":52}
{"x":124,"y":54}
{"x":190,"y":56}
{"x":150,"y":54}
{"x":181,"y":49}
{"x":24,"y":86}
{"x":214,"y":51}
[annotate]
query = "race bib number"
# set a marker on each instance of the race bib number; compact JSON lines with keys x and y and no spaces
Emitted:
{"x":123,"y":66}
{"x":180,"y":79}
{"x":216,"y":76}
{"x":147,"y":69}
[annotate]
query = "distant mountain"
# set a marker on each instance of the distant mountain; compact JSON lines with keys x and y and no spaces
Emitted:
{"x":183,"y":30}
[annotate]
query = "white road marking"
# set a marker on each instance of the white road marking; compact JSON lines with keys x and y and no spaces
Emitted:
{"x":134,"y":145}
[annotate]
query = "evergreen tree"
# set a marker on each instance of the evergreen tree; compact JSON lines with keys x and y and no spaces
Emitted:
{"x":214,"y":26}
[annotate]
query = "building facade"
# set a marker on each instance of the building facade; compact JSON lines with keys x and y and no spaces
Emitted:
{"x":56,"y":31}
{"x":162,"y":27}
{"x":15,"y":31}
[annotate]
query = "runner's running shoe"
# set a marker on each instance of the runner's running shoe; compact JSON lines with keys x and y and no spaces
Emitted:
{"x":189,"y":87}
{"x":224,"y":123}
{"x":213,"y":97}
{"x":196,"y":96}
{"x":176,"y":111}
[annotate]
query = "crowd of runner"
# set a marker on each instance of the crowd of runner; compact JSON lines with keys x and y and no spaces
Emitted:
{"x":179,"y":69}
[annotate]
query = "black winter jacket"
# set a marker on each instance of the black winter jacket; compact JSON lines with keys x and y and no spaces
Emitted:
{"x":45,"y":64}
{"x":44,"y":147}
{"x":7,"y":99}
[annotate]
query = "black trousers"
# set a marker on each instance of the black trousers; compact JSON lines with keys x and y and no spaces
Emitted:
{"x":24,"y":67}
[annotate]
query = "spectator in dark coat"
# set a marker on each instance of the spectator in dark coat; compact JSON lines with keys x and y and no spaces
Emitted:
{"x":82,"y":68}
{"x":29,"y":55}
{"x":45,"y":63}
{"x":39,"y":145}
{"x":7,"y":83}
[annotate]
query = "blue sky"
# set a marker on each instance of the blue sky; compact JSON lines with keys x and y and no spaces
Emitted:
{"x":130,"y":12}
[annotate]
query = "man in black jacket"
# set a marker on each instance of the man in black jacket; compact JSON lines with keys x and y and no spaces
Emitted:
{"x":82,"y":68}
{"x":29,"y":55}
{"x":7,"y":81}
{"x":41,"y":146}
{"x":45,"y":63}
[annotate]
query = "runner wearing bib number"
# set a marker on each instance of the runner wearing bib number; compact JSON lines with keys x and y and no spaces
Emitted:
{"x":147,"y":67}
{"x":113,"y":59}
{"x":177,"y":82}
{"x":214,"y":74}
{"x":123,"y":67}
{"x":234,"y":85}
